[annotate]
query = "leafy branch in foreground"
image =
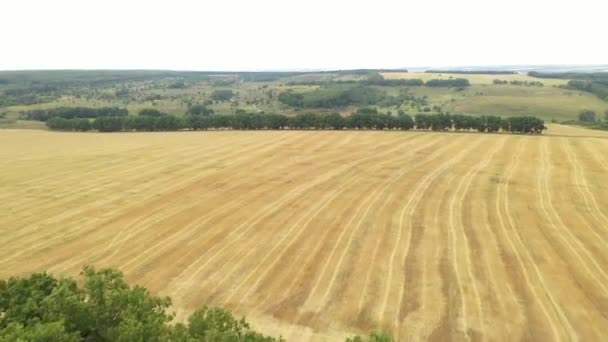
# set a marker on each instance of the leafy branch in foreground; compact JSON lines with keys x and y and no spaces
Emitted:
{"x":105,"y":308}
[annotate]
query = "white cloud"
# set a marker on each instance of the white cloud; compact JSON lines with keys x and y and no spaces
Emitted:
{"x":275,"y":34}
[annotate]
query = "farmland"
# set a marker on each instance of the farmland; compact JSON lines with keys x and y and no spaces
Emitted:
{"x":325,"y":92}
{"x":318,"y":234}
{"x":551,"y":102}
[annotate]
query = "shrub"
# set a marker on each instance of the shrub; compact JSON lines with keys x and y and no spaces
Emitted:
{"x":587,"y":116}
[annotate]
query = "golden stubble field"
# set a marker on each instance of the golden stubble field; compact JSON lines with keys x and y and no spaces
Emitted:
{"x":315,"y":234}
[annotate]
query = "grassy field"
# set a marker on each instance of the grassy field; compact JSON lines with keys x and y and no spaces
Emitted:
{"x":21,"y":124}
{"x":316,"y":234}
{"x":483,"y":97}
{"x":473,"y":78}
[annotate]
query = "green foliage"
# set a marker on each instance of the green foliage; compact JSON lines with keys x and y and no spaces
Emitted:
{"x":45,"y":309}
{"x":472,"y":72}
{"x":455,"y":83}
{"x":222,"y":95}
{"x":21,"y":299}
{"x":177,"y":85}
{"x":117,"y":123}
{"x":595,"y":83}
{"x":524,"y":124}
{"x":27,"y":94}
{"x":151,"y":112}
{"x":499,"y":82}
{"x":333,"y":96}
{"x":364,"y":118}
{"x":435,"y":122}
{"x":199,"y":110}
{"x":367,"y":110}
{"x":375,"y":336}
{"x":486,"y":123}
{"x":74,"y":112}
{"x":334,"y":121}
{"x":109,"y":124}
{"x":61,"y":124}
{"x":587,"y":116}
{"x":214,"y":324}
{"x":519,"y":83}
{"x":377,"y":80}
{"x":38,"y":332}
{"x":597,"y":88}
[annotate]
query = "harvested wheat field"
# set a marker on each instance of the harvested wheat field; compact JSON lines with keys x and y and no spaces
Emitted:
{"x":316,"y":235}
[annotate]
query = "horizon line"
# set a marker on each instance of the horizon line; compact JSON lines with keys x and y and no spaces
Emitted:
{"x":304,"y":70}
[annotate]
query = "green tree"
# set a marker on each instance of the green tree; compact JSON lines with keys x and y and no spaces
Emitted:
{"x":38,"y":332}
{"x":456,"y":82}
{"x":42,"y":308}
{"x":587,"y":116}
{"x":151,"y":112}
{"x":373,"y":337}
{"x":334,"y":121}
{"x":200,"y":110}
{"x":109,"y":124}
{"x":405,"y":122}
{"x":222,"y":95}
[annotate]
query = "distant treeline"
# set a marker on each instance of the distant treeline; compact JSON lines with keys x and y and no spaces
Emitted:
{"x":333,"y":96}
{"x":453,"y":82}
{"x":595,"y":83}
{"x":42,"y":86}
{"x":365,"y":119}
{"x":519,"y":83}
{"x":27,"y":95}
{"x":62,"y":78}
{"x":472,"y":72}
{"x":73,"y":112}
{"x":599,"y":88}
{"x":589,"y":76}
{"x":360,"y":94}
{"x":411,"y":82}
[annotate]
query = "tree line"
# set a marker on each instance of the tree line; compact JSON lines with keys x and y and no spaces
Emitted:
{"x":472,"y":72}
{"x":364,"y":119}
{"x":590,"y":119}
{"x":599,"y":89}
{"x":104,"y":307}
{"x":379,"y":80}
{"x":592,"y":82}
{"x":73,"y":112}
{"x":332,"y":96}
{"x":520,"y":83}
{"x":452,"y":83}
{"x":359,"y":94}
{"x":400,"y":82}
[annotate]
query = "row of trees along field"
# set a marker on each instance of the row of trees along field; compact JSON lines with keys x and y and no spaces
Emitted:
{"x":365,"y":118}
{"x":73,"y":112}
{"x":103,"y":307}
{"x":519,"y":83}
{"x":473,"y":72}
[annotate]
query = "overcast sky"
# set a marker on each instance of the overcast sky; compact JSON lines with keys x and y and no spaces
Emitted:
{"x":302,"y":34}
